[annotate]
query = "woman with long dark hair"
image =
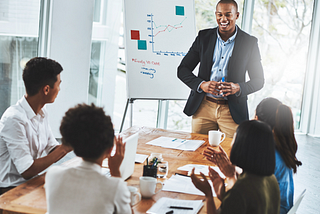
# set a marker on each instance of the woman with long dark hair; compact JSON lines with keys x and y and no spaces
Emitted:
{"x":256,"y":189}
{"x":279,"y":117}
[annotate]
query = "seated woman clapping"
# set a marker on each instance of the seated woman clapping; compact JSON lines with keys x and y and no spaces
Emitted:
{"x":256,"y":189}
{"x":279,"y":118}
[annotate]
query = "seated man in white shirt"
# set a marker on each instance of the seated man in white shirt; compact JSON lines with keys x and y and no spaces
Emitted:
{"x":27,"y":145}
{"x":84,"y":189}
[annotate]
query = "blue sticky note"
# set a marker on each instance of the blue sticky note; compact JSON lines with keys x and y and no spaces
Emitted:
{"x":142,"y":44}
{"x":179,"y":10}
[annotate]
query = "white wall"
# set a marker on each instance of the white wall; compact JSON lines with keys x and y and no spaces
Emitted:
{"x":70,"y":44}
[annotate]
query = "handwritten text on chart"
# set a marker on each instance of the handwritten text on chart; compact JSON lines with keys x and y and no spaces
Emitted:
{"x":145,"y":62}
{"x":148,"y":71}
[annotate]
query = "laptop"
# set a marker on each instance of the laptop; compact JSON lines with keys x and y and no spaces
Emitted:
{"x":127,"y":165}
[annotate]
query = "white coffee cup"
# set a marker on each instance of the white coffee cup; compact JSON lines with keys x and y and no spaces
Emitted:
{"x":135,"y":196}
{"x":215,"y":137}
{"x":148,"y":186}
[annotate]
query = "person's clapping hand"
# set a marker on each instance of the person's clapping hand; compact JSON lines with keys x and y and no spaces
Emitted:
{"x":202,"y":185}
{"x":218,"y":183}
{"x":220,"y":158}
{"x":115,"y":161}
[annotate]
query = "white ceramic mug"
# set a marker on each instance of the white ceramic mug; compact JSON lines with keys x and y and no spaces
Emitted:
{"x":215,"y":137}
{"x":135,"y":196}
{"x":148,"y":186}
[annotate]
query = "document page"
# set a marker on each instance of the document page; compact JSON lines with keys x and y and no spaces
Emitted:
{"x":201,"y":168}
{"x":163,"y":205}
{"x":183,"y":184}
{"x":175,"y":143}
{"x":140,"y":158}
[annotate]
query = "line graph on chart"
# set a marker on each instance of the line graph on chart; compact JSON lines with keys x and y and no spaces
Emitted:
{"x":166,"y":33}
{"x":168,"y":27}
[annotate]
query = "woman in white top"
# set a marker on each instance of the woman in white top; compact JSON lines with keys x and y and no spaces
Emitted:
{"x":83,"y":189}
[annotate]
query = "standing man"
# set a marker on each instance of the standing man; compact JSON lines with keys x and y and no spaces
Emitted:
{"x":218,"y":97}
{"x":27,"y":145}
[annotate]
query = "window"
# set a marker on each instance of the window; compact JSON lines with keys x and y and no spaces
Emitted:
{"x":103,"y":77}
{"x":177,"y":120}
{"x":283,"y":30}
{"x":19,"y":22}
{"x":97,"y":11}
{"x":96,"y":72}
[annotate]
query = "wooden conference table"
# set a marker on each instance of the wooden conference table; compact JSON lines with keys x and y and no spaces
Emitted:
{"x":30,"y":196}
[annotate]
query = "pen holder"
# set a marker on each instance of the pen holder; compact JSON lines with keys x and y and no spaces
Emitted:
{"x":149,"y":171}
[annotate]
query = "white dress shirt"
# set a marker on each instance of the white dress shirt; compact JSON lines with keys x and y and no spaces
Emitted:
{"x":24,"y":137}
{"x":84,"y":190}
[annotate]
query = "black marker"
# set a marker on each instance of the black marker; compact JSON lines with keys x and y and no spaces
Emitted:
{"x":181,"y":208}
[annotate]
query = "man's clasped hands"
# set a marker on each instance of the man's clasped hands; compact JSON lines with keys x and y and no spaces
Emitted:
{"x":220,"y":88}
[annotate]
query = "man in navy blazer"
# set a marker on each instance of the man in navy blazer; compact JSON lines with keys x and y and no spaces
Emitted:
{"x":218,"y":97}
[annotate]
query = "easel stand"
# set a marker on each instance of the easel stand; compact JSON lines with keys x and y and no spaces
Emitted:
{"x":162,"y":117}
{"x":129,"y":100}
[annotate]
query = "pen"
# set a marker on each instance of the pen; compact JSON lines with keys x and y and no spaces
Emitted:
{"x":154,"y":162}
{"x":181,"y":174}
{"x":169,"y":212}
{"x":181,"y":208}
{"x":222,"y":80}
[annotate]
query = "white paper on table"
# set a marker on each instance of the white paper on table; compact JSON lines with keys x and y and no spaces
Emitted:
{"x":183,"y":184}
{"x":201,"y":168}
{"x":167,"y":142}
{"x":140,"y":158}
{"x":175,"y":143}
{"x":191,"y":145}
{"x":163,"y":204}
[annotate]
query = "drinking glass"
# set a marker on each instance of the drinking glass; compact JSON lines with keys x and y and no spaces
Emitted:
{"x":163,"y":169}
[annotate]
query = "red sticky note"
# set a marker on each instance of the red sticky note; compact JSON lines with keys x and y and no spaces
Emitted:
{"x":135,"y":35}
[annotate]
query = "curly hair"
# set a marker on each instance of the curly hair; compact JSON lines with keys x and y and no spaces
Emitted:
{"x":39,"y":72}
{"x":88,"y":130}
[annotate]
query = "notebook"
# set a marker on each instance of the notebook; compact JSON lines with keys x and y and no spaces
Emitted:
{"x":127,"y":165}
